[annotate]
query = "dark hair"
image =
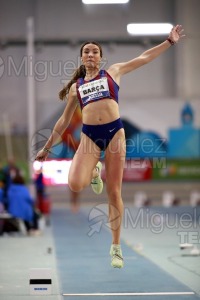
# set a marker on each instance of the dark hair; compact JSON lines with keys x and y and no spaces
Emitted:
{"x":18,"y":179}
{"x":79,"y":73}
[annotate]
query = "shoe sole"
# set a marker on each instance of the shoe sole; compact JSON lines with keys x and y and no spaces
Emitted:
{"x":118,"y":266}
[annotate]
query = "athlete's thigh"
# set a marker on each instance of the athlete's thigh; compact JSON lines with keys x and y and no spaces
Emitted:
{"x":114,"y":160}
{"x":84,"y":160}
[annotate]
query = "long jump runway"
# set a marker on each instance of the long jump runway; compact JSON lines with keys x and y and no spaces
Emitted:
{"x":83,"y":265}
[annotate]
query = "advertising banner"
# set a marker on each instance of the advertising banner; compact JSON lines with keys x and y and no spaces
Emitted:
{"x":178,"y":170}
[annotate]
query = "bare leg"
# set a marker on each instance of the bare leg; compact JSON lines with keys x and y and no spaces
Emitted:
{"x":114,"y":163}
{"x":74,"y":201}
{"x":82,"y":169}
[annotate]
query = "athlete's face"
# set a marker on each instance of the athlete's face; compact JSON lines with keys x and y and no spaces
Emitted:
{"x":91,"y":55}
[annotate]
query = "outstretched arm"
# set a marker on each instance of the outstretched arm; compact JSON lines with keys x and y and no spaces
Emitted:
{"x":122,"y":68}
{"x":61,"y":125}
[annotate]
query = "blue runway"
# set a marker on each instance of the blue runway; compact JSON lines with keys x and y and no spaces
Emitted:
{"x":84,"y":269}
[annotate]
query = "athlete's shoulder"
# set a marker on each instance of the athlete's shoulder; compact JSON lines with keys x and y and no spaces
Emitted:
{"x":113,"y":72}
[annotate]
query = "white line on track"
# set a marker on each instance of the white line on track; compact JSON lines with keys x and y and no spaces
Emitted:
{"x":133,"y":294}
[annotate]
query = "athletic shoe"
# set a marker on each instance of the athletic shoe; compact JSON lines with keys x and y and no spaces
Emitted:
{"x":116,"y":256}
{"x":97,"y":183}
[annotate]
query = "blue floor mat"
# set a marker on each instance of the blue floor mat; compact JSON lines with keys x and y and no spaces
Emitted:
{"x":84,"y":264}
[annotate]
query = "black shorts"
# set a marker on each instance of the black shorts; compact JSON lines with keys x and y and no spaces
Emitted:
{"x":101,"y":135}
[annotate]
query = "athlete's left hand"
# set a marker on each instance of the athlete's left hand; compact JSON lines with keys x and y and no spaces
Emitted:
{"x":176,"y":33}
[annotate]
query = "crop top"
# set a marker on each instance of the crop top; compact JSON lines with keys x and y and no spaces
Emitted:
{"x":101,"y":87}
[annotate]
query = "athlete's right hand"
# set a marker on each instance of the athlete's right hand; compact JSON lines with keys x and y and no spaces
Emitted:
{"x":41,"y":155}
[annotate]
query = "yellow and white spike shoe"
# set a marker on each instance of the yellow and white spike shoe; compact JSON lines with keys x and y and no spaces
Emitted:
{"x":97,"y":182}
{"x":116,"y":256}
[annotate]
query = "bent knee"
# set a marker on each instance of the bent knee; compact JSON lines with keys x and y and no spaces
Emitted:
{"x":76,"y":185}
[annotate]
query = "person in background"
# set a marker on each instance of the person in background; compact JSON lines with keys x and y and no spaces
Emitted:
{"x":39,"y":183}
{"x":1,"y":199}
{"x":21,"y":205}
{"x":1,"y":210}
{"x":2,"y":176}
{"x":97,"y":92}
{"x":9,"y":172}
{"x":40,"y":189}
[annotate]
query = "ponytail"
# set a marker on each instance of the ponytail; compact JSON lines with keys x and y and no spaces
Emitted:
{"x":79,"y":73}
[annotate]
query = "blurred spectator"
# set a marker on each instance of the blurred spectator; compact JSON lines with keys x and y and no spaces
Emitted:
{"x":1,"y":200}
{"x":2,"y":177}
{"x":21,"y":205}
{"x":9,"y":172}
{"x":39,"y":183}
{"x":43,"y":202}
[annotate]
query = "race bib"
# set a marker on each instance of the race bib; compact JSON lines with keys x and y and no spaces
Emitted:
{"x":94,"y":90}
